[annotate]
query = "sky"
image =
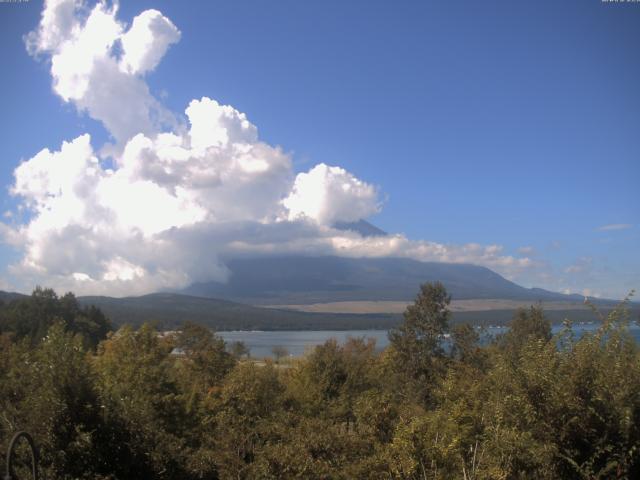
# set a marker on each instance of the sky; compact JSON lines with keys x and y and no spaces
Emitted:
{"x":143,"y":143}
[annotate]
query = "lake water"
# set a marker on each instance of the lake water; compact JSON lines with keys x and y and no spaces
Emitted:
{"x":298,"y":342}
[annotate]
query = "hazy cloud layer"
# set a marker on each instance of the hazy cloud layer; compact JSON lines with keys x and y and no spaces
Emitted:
{"x":615,"y":226}
{"x":178,"y":197}
{"x":527,"y":250}
{"x":581,"y":265}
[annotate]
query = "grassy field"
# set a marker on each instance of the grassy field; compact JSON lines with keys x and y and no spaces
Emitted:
{"x":477,"y":305}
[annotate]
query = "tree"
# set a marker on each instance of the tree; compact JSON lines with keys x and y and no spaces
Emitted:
{"x":279,"y":352}
{"x":527,"y":325}
{"x":239,"y":349}
{"x":141,"y":396}
{"x":465,"y":346}
{"x":416,"y":342}
{"x":332,"y":377}
{"x":48,"y":391}
{"x":207,"y":360}
{"x":250,"y":400}
{"x":31,"y":317}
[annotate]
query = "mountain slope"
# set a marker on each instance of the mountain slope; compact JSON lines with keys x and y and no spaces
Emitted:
{"x":169,"y":311}
{"x":172,"y":310}
{"x":6,"y":297}
{"x":302,"y":280}
{"x":362,"y":227}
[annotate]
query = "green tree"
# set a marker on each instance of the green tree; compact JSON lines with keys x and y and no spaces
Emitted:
{"x":239,"y":350}
{"x":527,"y":325}
{"x":250,"y":404}
{"x":31,"y":317}
{"x":206,"y":360}
{"x":136,"y":381}
{"x":465,"y":346}
{"x":330,"y":379}
{"x":416,"y":343}
{"x":48,"y":390}
{"x":279,"y":352}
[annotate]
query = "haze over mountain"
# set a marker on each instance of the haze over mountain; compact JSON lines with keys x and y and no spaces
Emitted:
{"x":302,"y":280}
{"x":304,"y":293}
{"x":362,"y":227}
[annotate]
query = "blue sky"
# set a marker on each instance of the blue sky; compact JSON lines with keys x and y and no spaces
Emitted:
{"x":494,"y":123}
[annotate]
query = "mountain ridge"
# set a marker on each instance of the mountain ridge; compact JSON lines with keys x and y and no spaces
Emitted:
{"x":171,"y":310}
{"x":313,"y":279}
{"x":284,"y":282}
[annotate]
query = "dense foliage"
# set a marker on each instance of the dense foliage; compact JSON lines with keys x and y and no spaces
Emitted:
{"x":31,"y":317}
{"x":145,"y":405}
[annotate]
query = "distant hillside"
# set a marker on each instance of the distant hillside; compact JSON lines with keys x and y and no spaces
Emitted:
{"x":6,"y":297}
{"x":171,"y":310}
{"x":300,"y":280}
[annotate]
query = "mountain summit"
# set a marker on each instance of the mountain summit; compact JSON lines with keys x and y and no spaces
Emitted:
{"x":304,"y":280}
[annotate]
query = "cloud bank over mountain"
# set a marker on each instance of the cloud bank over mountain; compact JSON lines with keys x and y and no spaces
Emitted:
{"x":179,"y":192}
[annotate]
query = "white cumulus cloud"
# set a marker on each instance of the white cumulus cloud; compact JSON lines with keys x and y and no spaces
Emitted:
{"x":146,"y":42}
{"x":176,"y":199}
{"x":86,"y":70}
{"x":331,"y":194}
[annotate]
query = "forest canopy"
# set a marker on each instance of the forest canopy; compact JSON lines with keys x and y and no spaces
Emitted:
{"x":123,"y":405}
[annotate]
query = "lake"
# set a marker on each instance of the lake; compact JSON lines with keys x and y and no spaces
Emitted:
{"x":298,"y":342}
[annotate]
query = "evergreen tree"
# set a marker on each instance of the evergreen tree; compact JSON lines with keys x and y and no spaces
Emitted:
{"x":417,"y":342}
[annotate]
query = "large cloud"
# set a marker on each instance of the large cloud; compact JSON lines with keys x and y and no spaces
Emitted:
{"x":98,"y":65}
{"x":330,"y":194}
{"x":177,"y":197}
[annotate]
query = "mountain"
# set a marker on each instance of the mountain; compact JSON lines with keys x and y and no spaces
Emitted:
{"x":172,"y":310}
{"x":6,"y":297}
{"x":289,"y":280}
{"x":169,"y":311}
{"x":362,"y":227}
{"x":295,"y":281}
